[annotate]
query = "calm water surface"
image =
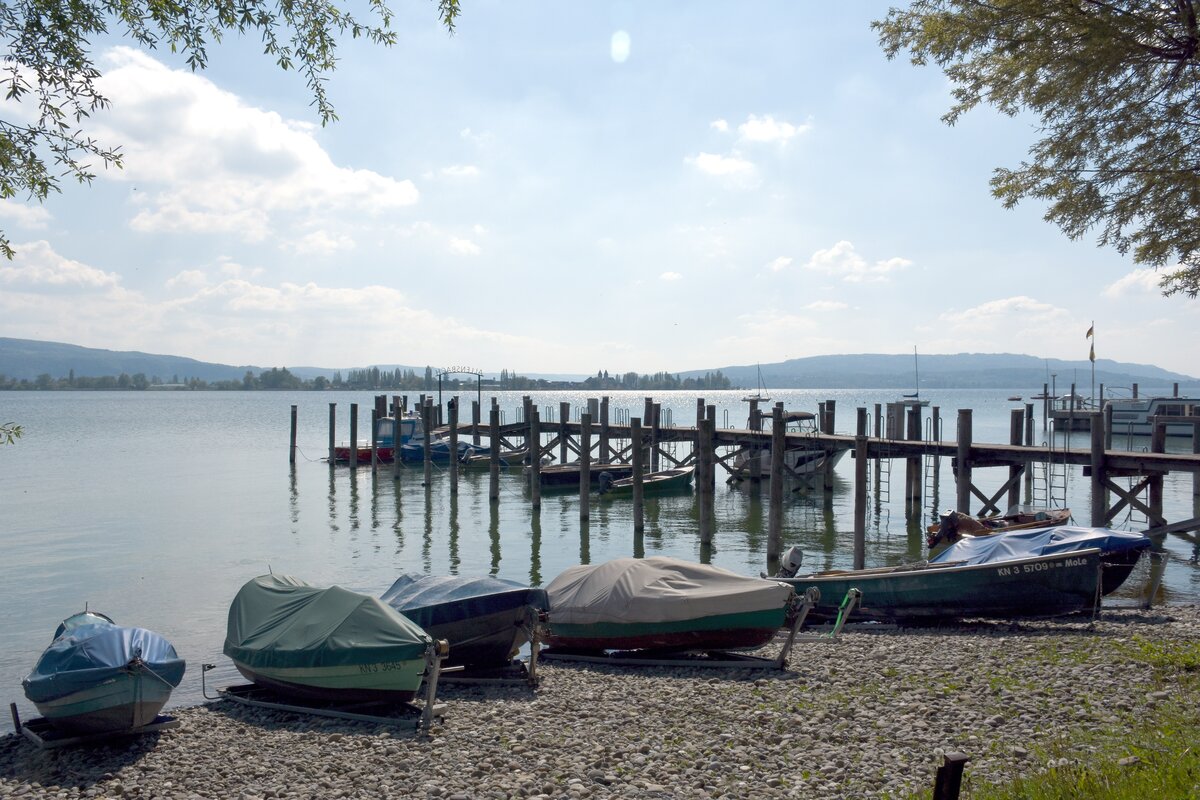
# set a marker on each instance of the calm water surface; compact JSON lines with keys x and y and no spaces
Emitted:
{"x":155,"y":507}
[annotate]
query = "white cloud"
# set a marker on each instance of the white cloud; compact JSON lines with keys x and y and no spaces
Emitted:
{"x":188,"y":280}
{"x":842,"y":259}
{"x":1140,"y":281}
{"x":1005,"y":309}
{"x":619,"y":47}
{"x":463,"y":247}
{"x":719,"y":125}
{"x":768,"y":129}
{"x":826,"y":305}
{"x":460,"y":171}
{"x":36,"y":266}
{"x":27,"y":216}
{"x":670,"y":276}
{"x":779,"y":264}
{"x":319,"y":243}
{"x":714,"y":164}
{"x":209,"y":163}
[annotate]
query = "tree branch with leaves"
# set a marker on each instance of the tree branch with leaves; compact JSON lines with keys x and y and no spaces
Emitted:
{"x":1115,"y":85}
{"x":48,"y":69}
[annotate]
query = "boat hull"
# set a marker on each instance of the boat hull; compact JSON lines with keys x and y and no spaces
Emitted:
{"x":564,"y":476}
{"x":485,"y":640}
{"x":388,"y":681}
{"x":129,"y":701}
{"x":741,"y":631}
{"x":1038,"y":586}
{"x":665,"y":482}
{"x":384,"y":454}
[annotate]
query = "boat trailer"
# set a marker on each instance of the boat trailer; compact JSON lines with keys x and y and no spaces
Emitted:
{"x":402,"y":715}
{"x":722,"y":659}
{"x":43,"y":734}
{"x":515,"y":672}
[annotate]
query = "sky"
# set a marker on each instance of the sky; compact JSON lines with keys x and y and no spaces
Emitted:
{"x":566,"y":188}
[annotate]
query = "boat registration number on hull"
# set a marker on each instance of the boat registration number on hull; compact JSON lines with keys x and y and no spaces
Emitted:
{"x":1041,"y":566}
{"x":382,"y":666}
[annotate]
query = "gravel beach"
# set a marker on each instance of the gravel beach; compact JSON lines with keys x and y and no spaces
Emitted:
{"x":868,"y":715}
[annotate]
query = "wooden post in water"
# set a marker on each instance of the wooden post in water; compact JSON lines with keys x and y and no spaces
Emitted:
{"x":912,"y":465}
{"x":1028,"y":461}
{"x":603,"y":453}
{"x":494,"y":463}
{"x":332,"y":435}
{"x":639,"y":514}
{"x":1016,"y":425}
{"x":535,"y":458}
{"x":564,"y":416}
{"x":292,"y":439}
{"x":353,"y":459}
{"x":704,"y":487}
{"x":1158,"y":444}
{"x":648,"y":429}
{"x":375,"y":439}
{"x":1108,"y":427}
{"x":775,"y":510}
{"x":452,"y":453}
{"x":878,"y":435}
{"x":427,"y":451}
{"x":585,"y":464}
{"x":827,"y":422}
{"x":963,"y":462}
{"x":860,"y":490}
{"x":475,"y":412}
{"x":1099,"y":491}
{"x":1045,"y":404}
{"x":656,"y":438}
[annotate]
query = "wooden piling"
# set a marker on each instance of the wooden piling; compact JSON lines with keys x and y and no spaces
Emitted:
{"x":655,"y":438}
{"x":475,"y":412}
{"x":878,"y":435}
{"x":292,"y":439}
{"x":564,"y":416}
{"x":1099,"y":506}
{"x":332,"y":435}
{"x":710,"y":415}
{"x":375,"y":439}
{"x":828,"y":417}
{"x":1028,"y":462}
{"x":427,"y":455}
{"x":639,"y":515}
{"x":775,"y":509}
{"x":603,"y":451}
{"x":535,"y":459}
{"x":1016,"y":425}
{"x":963,"y":462}
{"x":912,"y":466}
{"x":352,"y":461}
{"x":494,"y":463}
{"x":860,"y":490}
{"x":1158,"y":444}
{"x":452,"y":453}
{"x":585,"y":464}
{"x":704,"y":484}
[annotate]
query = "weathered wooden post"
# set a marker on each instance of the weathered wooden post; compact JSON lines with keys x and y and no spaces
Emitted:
{"x":775,"y":510}
{"x":878,"y":459}
{"x":648,"y":427}
{"x":1045,"y":405}
{"x":535,"y":458}
{"x":452,"y":453}
{"x":1195,"y":451}
{"x":1108,"y":427}
{"x":1158,"y":444}
{"x":1016,"y":425}
{"x":1028,"y":461}
{"x":603,"y":452}
{"x":860,"y":490}
{"x":656,"y":438}
{"x":912,"y":465}
{"x":494,"y":462}
{"x":1099,"y":491}
{"x":332,"y":434}
{"x":704,"y":488}
{"x":710,"y":414}
{"x":427,"y":451}
{"x":963,"y":462}
{"x":635,"y":433}
{"x":564,"y":416}
{"x":948,"y":783}
{"x":475,"y":412}
{"x":585,"y":464}
{"x":828,"y":416}
{"x":292,"y":439}
{"x":352,"y":461}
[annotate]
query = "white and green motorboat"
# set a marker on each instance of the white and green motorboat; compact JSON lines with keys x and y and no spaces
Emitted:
{"x":329,"y":644}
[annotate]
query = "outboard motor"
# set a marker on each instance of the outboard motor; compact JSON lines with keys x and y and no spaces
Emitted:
{"x":605,"y":480}
{"x":792,"y":560}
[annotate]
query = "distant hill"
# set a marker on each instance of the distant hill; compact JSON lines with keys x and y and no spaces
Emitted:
{"x":27,"y":358}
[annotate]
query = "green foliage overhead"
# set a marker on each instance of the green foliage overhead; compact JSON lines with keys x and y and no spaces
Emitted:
{"x":1114,"y":84}
{"x":48,"y":64}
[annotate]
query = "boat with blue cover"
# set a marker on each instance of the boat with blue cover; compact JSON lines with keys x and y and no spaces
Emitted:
{"x":663,"y":604}
{"x":485,"y":620}
{"x":98,"y":677}
{"x":329,"y":644}
{"x":1119,"y":550}
{"x":387,"y":431}
{"x":439,"y":450}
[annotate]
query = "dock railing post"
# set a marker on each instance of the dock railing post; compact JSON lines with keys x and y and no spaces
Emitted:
{"x":292,"y":447}
{"x":963,"y":462}
{"x":1099,"y":491}
{"x":775,"y":510}
{"x":635,"y":433}
{"x":585,"y":464}
{"x":860,"y":490}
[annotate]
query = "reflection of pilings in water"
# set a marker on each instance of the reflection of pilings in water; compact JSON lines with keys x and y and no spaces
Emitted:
{"x":398,"y":525}
{"x":374,"y":500}
{"x":333,"y":526}
{"x":585,"y":542}
{"x":494,"y":537}
{"x":453,"y":543}
{"x":535,"y":550}
{"x":293,"y":495}
{"x":427,"y":539}
{"x":354,"y":499}
{"x":639,"y":543}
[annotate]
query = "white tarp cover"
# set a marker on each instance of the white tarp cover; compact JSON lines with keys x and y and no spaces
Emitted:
{"x":657,"y":589}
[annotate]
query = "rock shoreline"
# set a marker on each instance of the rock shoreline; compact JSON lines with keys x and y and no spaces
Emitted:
{"x":866,"y":716}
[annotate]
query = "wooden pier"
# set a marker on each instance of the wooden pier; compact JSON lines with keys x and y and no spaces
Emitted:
{"x":648,"y":445}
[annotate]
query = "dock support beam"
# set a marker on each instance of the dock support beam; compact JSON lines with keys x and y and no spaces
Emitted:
{"x":452,"y":453}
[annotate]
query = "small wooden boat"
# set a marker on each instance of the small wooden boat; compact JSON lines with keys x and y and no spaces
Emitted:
{"x":661,"y":482}
{"x":662,"y":604}
{"x":507,"y":458}
{"x":408,"y":426}
{"x":98,"y":677}
{"x":485,"y":620}
{"x":954,"y":525}
{"x":335,"y":644}
{"x":565,"y":476}
{"x":1034,"y":586}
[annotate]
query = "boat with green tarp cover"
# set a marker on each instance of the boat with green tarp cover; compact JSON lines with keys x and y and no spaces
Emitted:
{"x":662,"y":603}
{"x":294,"y":638}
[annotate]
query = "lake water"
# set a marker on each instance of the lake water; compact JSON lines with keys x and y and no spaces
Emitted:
{"x":155,"y":507}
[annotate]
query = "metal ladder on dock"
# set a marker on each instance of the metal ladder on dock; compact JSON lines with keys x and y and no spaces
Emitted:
{"x":1050,"y":481}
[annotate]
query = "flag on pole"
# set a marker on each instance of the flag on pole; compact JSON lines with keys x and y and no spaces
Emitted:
{"x":1091,"y":330}
{"x":1090,"y":335}
{"x":1092,"y":355}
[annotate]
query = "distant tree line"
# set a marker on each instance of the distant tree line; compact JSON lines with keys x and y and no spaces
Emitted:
{"x":372,"y":378}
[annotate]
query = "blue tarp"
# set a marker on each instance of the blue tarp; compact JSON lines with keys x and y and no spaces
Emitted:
{"x":1040,"y":542}
{"x":437,"y":600}
{"x":91,"y":654}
